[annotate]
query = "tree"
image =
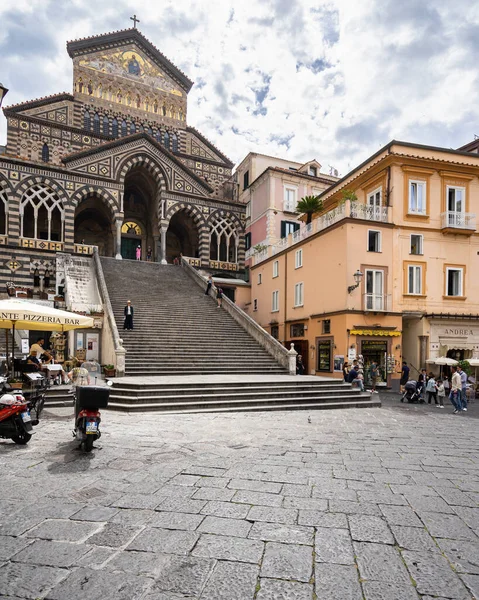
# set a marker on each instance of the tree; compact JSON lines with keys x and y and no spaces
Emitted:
{"x":309,"y":205}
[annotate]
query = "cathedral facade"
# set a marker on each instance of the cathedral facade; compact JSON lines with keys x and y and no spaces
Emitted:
{"x":114,"y":165}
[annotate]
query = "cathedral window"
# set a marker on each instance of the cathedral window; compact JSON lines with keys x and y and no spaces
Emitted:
{"x":224,"y":241}
{"x":106,"y":125}
{"x":158,"y":136}
{"x":96,"y":123}
{"x":174,"y":142}
{"x":3,"y":207}
{"x":150,"y":131}
{"x":132,"y":128}
{"x":123,"y":128}
{"x":41,"y":214}
{"x":167,"y":140}
{"x":45,"y":153}
{"x":87,"y":120}
{"x":114,"y":128}
{"x":141,"y":129}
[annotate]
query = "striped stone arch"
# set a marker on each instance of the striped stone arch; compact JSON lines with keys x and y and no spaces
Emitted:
{"x":221,"y":214}
{"x":51,"y":183}
{"x":90,"y":190}
{"x":146,"y":161}
{"x":193,"y":211}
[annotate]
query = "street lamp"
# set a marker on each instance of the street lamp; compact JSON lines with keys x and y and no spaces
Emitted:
{"x":357,"y":278}
{"x":3,"y":93}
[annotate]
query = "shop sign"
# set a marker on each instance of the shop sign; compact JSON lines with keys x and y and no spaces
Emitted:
{"x":338,"y":362}
{"x":458,"y":331}
{"x":351,"y":354}
{"x":373,"y":332}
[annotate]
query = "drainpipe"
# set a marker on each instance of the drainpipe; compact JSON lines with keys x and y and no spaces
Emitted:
{"x":285,"y":292}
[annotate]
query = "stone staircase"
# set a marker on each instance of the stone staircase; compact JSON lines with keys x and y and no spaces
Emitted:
{"x":186,"y":355}
{"x":177,"y":329}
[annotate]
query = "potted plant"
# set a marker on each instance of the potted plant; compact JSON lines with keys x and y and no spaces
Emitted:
{"x":109,"y":370}
{"x":15,"y":384}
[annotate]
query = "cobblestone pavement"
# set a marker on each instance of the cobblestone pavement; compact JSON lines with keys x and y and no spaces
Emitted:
{"x":374,"y":504}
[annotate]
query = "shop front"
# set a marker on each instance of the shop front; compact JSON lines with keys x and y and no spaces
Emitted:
{"x":380,"y":346}
{"x":457,"y":339}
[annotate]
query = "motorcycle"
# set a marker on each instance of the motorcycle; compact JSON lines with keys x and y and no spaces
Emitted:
{"x":16,"y":422}
{"x":88,"y":399}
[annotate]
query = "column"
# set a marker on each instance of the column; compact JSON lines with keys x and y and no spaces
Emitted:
{"x":118,"y":224}
{"x":163,"y":231}
{"x":423,"y":351}
{"x":156,"y":248}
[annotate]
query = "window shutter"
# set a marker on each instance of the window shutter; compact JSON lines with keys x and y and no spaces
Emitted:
{"x":283,"y":229}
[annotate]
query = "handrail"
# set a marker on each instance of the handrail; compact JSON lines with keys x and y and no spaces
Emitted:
{"x":268,"y":342}
{"x":119,"y":350}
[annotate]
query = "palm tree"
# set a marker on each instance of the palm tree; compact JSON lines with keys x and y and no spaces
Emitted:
{"x":309,"y":205}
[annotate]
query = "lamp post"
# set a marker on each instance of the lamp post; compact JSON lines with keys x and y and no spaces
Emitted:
{"x":3,"y":93}
{"x":357,"y":278}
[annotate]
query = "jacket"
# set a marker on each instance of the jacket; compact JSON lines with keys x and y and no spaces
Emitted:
{"x":126,"y":311}
{"x":456,"y":382}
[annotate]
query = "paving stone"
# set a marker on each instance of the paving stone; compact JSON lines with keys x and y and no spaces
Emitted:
{"x":138,"y":501}
{"x":175,"y":520}
{"x":131,"y":516}
{"x":287,"y":561}
{"x":472,"y":584}
{"x":183,"y":575}
{"x":67,"y":531}
{"x":379,"y":562}
{"x":276,"y":589}
{"x":229,"y":548}
{"x":96,"y":557}
{"x":337,"y":582}
{"x":447,"y":526}
{"x":334,"y":546}
{"x":470,"y":516}
{"x":221,"y":526}
{"x":462,"y":554}
{"x":175,"y":491}
{"x":138,"y":563}
{"x":9,"y":546}
{"x":322,"y":519}
{"x":305,"y":503}
{"x":335,"y":494}
{"x":184,"y":479}
{"x":89,"y":584}
{"x":370,"y":529}
{"x":52,"y":554}
{"x":413,"y":538}
{"x":276,"y":532}
{"x":429,"y":504}
{"x":214,"y":482}
{"x":204,"y":471}
{"x":212,"y":493}
{"x":231,"y":581}
{"x":113,"y":535}
{"x":414,"y":490}
{"x":298,"y":491}
{"x":255,"y":486}
{"x":400,"y":515}
{"x":185,"y":505}
{"x":379,"y":590}
{"x":28,"y":582}
{"x":18,"y":524}
{"x":95,"y":513}
{"x":225,"y":509}
{"x":351,"y":508}
{"x":456,"y":497}
{"x":164,"y":540}
{"x":433,"y":575}
{"x":382,"y":498}
{"x":273,"y":515}
{"x":257,"y":498}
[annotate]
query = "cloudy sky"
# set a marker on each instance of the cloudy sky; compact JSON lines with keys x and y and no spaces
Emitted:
{"x":332,"y":80}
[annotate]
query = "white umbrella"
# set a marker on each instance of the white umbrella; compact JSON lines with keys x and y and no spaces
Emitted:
{"x":28,"y":315}
{"x":443,"y":360}
{"x":474,"y":362}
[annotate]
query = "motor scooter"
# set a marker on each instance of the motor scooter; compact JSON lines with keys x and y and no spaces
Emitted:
{"x":18,"y":416}
{"x":88,"y":399}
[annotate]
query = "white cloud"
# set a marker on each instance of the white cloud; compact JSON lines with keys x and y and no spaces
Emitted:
{"x":333,"y":80}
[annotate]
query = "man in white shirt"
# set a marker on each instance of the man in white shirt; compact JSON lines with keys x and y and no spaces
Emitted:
{"x":463,"y":375}
{"x":456,"y":389}
{"x":128,"y":323}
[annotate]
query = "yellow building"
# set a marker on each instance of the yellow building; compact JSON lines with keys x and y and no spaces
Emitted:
{"x":388,"y":269}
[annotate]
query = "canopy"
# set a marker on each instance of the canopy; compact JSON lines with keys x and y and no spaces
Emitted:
{"x":474,"y":362}
{"x":28,"y":315}
{"x":443,"y":360}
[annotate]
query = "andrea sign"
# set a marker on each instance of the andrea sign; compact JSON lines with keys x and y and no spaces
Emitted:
{"x":458,"y":332}
{"x":13,"y":316}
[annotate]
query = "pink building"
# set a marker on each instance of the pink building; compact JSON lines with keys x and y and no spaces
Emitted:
{"x":271,"y":189}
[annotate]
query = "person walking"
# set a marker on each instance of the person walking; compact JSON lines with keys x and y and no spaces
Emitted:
{"x":128,"y":312}
{"x":345,"y":371}
{"x":374,"y":373}
{"x":404,"y":375}
{"x":149,"y":254}
{"x":431,"y":389}
{"x":441,"y":393}
{"x":209,"y":285}
{"x":455,"y":395}
{"x":138,"y":252}
{"x":463,"y":375}
{"x":219,"y":297}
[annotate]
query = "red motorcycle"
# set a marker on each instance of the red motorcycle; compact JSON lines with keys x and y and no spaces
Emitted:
{"x":17,"y":415}
{"x":88,"y":400}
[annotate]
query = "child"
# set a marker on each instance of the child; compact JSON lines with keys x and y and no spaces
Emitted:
{"x":431,"y":389}
{"x":441,"y":393}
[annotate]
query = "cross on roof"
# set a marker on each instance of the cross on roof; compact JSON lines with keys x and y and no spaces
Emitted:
{"x":135,"y":20}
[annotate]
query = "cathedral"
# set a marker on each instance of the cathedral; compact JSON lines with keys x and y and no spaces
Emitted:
{"x":115,"y":165}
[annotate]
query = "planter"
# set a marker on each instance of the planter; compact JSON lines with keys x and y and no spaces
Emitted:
{"x":16,"y":386}
{"x":110,"y":372}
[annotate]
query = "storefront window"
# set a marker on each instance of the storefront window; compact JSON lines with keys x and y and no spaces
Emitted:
{"x":324,"y":356}
{"x":374,"y":351}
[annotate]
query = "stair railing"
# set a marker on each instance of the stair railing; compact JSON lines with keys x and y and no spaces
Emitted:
{"x":112,"y":345}
{"x":286,"y":358}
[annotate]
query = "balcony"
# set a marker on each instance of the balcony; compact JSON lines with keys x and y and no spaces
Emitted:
{"x":369,"y":212}
{"x":458,"y":222}
{"x":376,"y":302}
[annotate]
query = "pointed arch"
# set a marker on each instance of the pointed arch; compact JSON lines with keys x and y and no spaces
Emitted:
{"x":45,"y":153}
{"x":224,"y":238}
{"x":42,"y":213}
{"x":87,"y":120}
{"x":174,"y":142}
{"x":142,"y":159}
{"x":4,"y":196}
{"x":114,"y":127}
{"x":96,"y":123}
{"x":106,"y":125}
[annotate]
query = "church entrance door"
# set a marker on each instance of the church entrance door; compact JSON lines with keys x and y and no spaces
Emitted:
{"x":131,"y":238}
{"x":182,"y":237}
{"x":140,"y":224}
{"x":94,"y":225}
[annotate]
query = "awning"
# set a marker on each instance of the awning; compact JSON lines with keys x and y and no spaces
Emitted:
{"x":27,"y":315}
{"x":378,"y":332}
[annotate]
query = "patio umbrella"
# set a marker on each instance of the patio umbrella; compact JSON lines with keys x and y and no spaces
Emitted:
{"x":28,"y":315}
{"x":443,"y":360}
